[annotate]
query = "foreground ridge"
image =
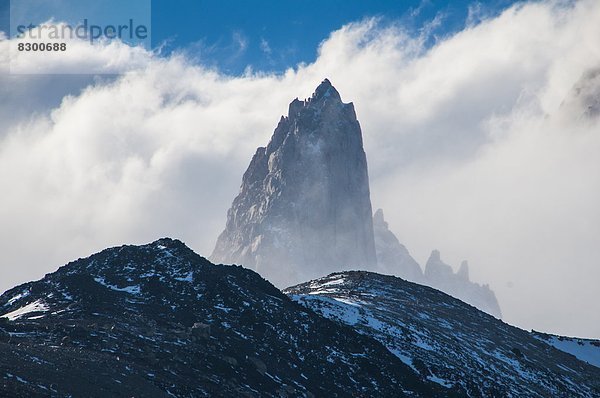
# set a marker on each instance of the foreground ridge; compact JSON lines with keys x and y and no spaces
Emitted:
{"x":446,"y":340}
{"x":159,"y":320}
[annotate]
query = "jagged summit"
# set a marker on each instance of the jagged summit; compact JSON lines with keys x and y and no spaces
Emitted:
{"x":325,"y":95}
{"x":378,"y":218}
{"x":435,"y":268}
{"x":304,"y":206}
{"x":326,"y":90}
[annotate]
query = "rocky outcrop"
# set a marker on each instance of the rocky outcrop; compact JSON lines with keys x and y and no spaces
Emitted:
{"x":441,"y":276}
{"x":463,"y":271}
{"x":392,"y":257}
{"x":304,"y":206}
{"x":436,"y":269}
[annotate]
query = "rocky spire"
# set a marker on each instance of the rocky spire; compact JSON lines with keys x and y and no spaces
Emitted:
{"x":441,"y":276}
{"x":304,"y":207}
{"x":463,"y":271}
{"x":436,"y":269}
{"x":392,"y":257}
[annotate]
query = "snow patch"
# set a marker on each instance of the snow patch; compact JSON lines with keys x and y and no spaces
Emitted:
{"x":188,"y":278}
{"x":347,"y":301}
{"x":223,"y":308}
{"x":135,"y":289}
{"x":36,"y":306}
{"x":19,"y":296}
{"x":339,"y":281}
{"x":439,"y":381}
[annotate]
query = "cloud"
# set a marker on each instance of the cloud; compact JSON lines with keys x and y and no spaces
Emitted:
{"x":475,"y":14}
{"x":265,"y":47}
{"x":479,"y":146}
{"x":240,"y":43}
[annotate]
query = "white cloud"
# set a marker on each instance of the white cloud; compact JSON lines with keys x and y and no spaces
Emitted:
{"x":469,"y":151}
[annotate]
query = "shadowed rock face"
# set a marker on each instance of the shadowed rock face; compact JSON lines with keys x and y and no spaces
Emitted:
{"x":304,"y":206}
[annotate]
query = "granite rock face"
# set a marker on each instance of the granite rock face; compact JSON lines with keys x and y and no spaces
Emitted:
{"x":304,"y":206}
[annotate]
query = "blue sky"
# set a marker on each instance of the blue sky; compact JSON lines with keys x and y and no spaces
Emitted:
{"x":274,"y":35}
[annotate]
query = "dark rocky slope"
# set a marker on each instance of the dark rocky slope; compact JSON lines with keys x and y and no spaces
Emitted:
{"x":159,"y":320}
{"x":448,"y":341}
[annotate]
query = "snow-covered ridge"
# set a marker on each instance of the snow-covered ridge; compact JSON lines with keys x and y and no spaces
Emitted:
{"x":446,"y":340}
{"x":124,"y":273}
{"x":587,"y":350}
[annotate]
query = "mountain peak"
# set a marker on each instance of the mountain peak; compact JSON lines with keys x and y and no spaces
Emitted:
{"x":378,"y":218}
{"x":436,"y":269}
{"x":392,"y":256}
{"x":435,"y":256}
{"x":166,"y":242}
{"x":463,"y":271}
{"x":304,"y":207}
{"x":324,"y":96}
{"x":326,"y":90}
{"x":441,"y":276}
